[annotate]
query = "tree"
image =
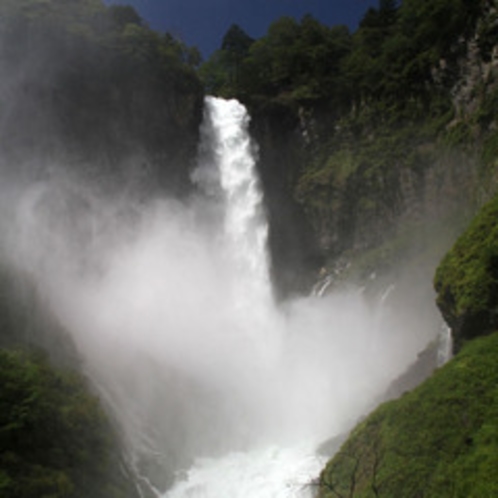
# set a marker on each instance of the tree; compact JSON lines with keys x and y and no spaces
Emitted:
{"x":236,"y":41}
{"x":235,"y":45}
{"x":121,"y":15}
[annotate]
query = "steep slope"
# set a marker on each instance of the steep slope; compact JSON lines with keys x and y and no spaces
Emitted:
{"x":54,"y":438}
{"x":439,"y":440}
{"x":467,"y":279}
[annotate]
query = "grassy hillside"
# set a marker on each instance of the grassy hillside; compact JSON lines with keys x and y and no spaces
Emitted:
{"x":440,"y":440}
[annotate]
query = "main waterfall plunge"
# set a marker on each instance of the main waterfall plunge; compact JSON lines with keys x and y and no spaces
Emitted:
{"x":171,"y":308}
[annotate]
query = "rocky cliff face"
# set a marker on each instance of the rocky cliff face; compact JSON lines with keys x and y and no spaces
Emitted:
{"x":326,"y":203}
{"x":367,"y":179}
{"x":292,"y":240}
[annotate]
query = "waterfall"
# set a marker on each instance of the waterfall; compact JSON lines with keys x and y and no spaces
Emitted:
{"x":227,"y":165}
{"x":227,"y":171}
{"x":444,"y":345}
{"x":226,"y":131}
{"x":217,"y":389}
{"x":303,"y":391}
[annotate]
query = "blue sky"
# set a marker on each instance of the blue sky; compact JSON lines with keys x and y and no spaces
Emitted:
{"x":204,"y":22}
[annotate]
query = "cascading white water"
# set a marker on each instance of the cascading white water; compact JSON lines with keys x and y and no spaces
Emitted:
{"x":273,"y":472}
{"x":445,"y":345}
{"x":225,"y":136}
{"x":265,"y":469}
{"x":171,"y":308}
{"x":227,"y":166}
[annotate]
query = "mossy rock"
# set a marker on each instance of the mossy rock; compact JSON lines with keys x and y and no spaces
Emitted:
{"x":438,"y":441}
{"x":466,"y":281}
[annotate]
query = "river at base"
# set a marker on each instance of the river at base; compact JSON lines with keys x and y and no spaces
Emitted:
{"x":271,"y":472}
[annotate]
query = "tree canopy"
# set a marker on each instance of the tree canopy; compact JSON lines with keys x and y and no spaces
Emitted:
{"x":392,"y":55}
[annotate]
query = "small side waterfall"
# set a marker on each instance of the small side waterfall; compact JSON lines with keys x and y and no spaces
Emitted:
{"x":445,"y":345}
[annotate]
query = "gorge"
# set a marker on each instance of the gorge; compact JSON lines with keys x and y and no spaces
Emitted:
{"x":171,"y":307}
{"x":165,"y":245}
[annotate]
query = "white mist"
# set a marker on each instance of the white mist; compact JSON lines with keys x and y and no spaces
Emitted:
{"x":171,"y":307}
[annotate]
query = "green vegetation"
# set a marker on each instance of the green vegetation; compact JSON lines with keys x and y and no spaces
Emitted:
{"x":391,"y":57}
{"x":54,"y":438}
{"x":55,"y":441}
{"x":293,"y":62}
{"x":440,"y":440}
{"x":361,"y":184}
{"x":467,"y":278}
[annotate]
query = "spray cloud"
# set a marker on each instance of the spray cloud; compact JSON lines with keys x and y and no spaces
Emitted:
{"x":171,"y":308}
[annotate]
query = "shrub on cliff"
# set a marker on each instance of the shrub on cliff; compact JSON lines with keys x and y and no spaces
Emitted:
{"x":440,"y":440}
{"x":467,"y":278}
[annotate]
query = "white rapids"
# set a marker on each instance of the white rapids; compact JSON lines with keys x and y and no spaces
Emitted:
{"x":272,"y":472}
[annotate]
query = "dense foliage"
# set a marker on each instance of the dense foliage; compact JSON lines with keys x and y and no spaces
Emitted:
{"x":293,"y":61}
{"x":391,"y":56}
{"x":54,"y":438}
{"x":440,"y":439}
{"x":467,"y":279}
{"x":437,"y":441}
